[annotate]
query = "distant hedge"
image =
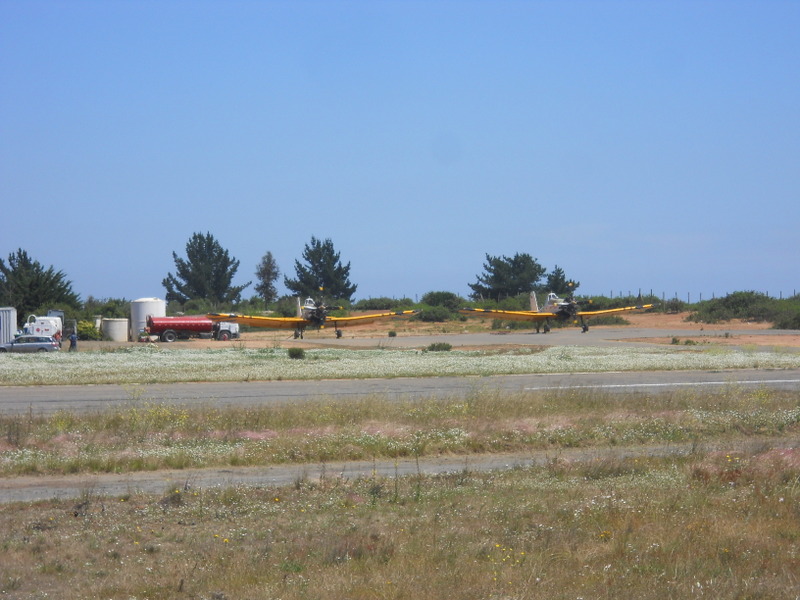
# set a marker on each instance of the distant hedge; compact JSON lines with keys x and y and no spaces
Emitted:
{"x":749,"y":306}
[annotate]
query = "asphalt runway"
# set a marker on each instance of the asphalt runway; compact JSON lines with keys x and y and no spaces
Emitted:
{"x":45,"y":400}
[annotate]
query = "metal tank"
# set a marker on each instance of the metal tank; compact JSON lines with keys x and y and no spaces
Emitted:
{"x":143,"y":308}
{"x":115,"y":330}
{"x":8,"y":324}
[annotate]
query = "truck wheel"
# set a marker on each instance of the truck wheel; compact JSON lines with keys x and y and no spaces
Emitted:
{"x":169,"y":336}
{"x":224,"y":336}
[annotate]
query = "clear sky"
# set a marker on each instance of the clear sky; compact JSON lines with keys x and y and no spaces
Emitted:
{"x":636,"y":145}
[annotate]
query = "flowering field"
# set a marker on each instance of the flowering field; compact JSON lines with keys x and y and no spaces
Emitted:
{"x":151,"y":365}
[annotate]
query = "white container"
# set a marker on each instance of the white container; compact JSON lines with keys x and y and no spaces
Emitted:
{"x":115,"y":330}
{"x":8,"y":324}
{"x":143,"y":308}
{"x":42,"y":325}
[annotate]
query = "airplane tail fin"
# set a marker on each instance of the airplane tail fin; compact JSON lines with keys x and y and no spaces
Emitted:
{"x":534,"y":303}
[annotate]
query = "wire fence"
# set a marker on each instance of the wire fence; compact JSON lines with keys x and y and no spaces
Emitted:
{"x":690,"y":297}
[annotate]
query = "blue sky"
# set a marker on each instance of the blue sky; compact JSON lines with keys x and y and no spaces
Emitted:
{"x":636,"y":145}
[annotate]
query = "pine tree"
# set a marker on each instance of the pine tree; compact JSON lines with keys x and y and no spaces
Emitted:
{"x":323,"y":273}
{"x":558,"y":283}
{"x":267,"y":273}
{"x":505,"y":277}
{"x":27,"y":286}
{"x":206,"y":273}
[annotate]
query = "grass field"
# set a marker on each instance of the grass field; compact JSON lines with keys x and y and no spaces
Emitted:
{"x":151,"y":364}
{"x":722,"y":524}
{"x":718,"y":526}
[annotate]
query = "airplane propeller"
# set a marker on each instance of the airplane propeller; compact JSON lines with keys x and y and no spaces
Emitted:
{"x":319,"y":313}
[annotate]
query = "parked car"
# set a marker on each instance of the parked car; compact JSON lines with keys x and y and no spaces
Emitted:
{"x":31,"y":343}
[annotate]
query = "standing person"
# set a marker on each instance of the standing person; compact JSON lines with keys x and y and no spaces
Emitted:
{"x":73,"y":341}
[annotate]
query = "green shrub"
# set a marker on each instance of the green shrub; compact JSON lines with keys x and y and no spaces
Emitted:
{"x":440,"y":347}
{"x":87,"y":331}
{"x":518,"y":302}
{"x":111,"y":308}
{"x":674,"y":306}
{"x":447,"y":300}
{"x":750,"y":306}
{"x":383,"y":304}
{"x":252,"y":306}
{"x":434,"y":314}
{"x":787,"y":317}
{"x":392,"y":333}
{"x":200,"y":306}
{"x":285,"y":306}
{"x":297,"y":353}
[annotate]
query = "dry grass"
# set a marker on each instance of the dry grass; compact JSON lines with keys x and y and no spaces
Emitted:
{"x":716,"y":525}
{"x":703,"y":526}
{"x":147,"y":436}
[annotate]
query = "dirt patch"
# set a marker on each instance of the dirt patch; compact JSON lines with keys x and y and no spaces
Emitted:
{"x":787,"y":341}
{"x":710,"y":333}
{"x":705,"y":334}
{"x":658,"y":320}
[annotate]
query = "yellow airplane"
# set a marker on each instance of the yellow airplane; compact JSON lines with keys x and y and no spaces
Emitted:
{"x":310,"y":314}
{"x":560,"y":309}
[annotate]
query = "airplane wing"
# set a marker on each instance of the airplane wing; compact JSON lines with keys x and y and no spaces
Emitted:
{"x":526,"y":315}
{"x":607,"y":311}
{"x":508,"y":315}
{"x":300,"y":323}
{"x":257,"y":321}
{"x":363,"y":319}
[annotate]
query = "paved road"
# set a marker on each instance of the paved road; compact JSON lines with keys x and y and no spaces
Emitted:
{"x":42,"y":400}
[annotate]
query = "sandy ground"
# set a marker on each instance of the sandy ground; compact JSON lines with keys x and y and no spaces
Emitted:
{"x":716,"y":333}
{"x":673,"y":325}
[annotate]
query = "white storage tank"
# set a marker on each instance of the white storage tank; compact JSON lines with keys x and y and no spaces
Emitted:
{"x":8,"y":324}
{"x":143,"y":308}
{"x":115,"y":330}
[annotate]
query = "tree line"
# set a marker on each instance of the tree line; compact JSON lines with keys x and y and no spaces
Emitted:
{"x":203,"y":279}
{"x":208,"y":270}
{"x":203,"y":282}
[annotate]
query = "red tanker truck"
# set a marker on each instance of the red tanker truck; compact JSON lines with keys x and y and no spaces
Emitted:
{"x":169,"y":329}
